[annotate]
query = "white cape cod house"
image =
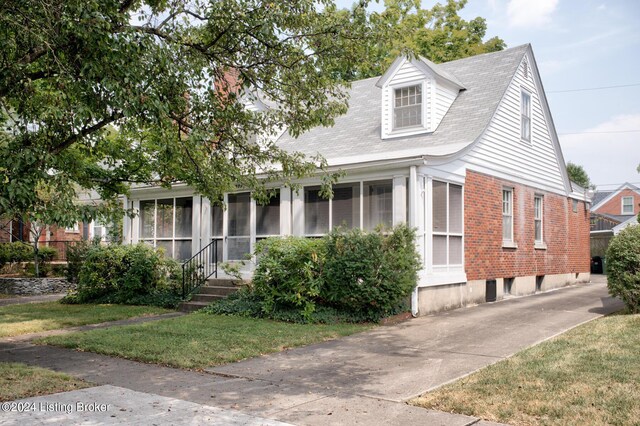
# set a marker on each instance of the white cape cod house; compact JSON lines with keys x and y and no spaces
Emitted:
{"x":466,"y":152}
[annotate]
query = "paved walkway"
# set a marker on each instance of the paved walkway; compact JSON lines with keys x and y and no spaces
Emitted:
{"x":31,"y":299}
{"x":364,"y":378}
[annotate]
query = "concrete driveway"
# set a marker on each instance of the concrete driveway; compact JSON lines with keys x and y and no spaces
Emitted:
{"x":364,"y":378}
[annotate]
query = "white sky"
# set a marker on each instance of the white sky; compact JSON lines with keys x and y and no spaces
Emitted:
{"x":579,"y":44}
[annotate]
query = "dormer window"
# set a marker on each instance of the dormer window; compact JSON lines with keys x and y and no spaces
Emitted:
{"x":407,"y":110}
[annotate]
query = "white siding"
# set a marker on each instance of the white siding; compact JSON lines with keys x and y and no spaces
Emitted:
{"x":501,"y":152}
{"x":406,"y":74}
{"x":444,"y":97}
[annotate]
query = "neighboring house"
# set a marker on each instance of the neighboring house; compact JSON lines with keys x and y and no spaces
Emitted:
{"x":465,"y":152}
{"x":611,"y":212}
{"x":53,"y":236}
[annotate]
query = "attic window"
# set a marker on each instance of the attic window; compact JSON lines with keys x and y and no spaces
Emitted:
{"x":525,"y":69}
{"x":525,"y":116}
{"x":407,"y":109}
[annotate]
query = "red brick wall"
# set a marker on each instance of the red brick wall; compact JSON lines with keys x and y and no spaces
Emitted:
{"x":614,"y":205}
{"x":565,"y":233}
{"x":61,"y":234}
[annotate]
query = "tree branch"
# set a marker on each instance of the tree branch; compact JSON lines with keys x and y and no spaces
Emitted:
{"x":86,"y":131}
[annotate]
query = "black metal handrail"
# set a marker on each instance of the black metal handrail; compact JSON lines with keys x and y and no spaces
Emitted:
{"x":199,"y":268}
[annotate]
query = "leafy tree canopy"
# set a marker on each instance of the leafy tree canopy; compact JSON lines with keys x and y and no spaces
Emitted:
{"x":98,"y":95}
{"x":439,"y":34}
{"x":578,"y":175}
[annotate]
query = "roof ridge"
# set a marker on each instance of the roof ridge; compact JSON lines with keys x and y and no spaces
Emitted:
{"x":497,"y":52}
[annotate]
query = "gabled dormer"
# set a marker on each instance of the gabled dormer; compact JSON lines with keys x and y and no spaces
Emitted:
{"x":416,"y":95}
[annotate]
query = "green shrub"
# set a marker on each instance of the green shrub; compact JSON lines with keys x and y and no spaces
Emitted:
{"x":246,"y":303}
{"x":129,"y":274}
{"x":370,"y":274}
{"x":348,"y":276}
{"x":623,"y":266}
{"x":76,"y":255}
{"x":15,"y":252}
{"x":44,"y":270}
{"x":289,"y":273}
{"x":45,"y":253}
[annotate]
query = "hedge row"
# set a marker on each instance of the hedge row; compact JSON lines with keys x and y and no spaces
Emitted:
{"x":22,"y":252}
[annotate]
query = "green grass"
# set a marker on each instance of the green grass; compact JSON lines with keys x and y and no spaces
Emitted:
{"x":589,"y":375}
{"x":201,"y":340}
{"x":36,"y":317}
{"x":19,"y":381}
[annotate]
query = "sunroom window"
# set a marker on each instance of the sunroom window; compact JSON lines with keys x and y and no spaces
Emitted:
{"x":166,"y":223}
{"x":321,"y":214}
{"x":447,"y":224}
{"x":378,"y":204}
{"x":268,"y":218}
{"x":407,"y":107}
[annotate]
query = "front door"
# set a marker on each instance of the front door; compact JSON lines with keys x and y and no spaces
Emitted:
{"x":239,"y":234}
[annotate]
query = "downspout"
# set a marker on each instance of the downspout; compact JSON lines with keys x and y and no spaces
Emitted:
{"x":413,"y":223}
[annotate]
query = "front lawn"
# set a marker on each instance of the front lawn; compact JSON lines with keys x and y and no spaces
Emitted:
{"x":36,"y":317}
{"x":19,"y":381}
{"x":589,"y":375}
{"x":201,"y":340}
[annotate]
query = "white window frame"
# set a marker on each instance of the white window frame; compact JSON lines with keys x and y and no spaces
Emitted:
{"x":394,"y":89}
{"x":360,"y":223}
{"x":538,"y":216}
{"x":447,"y":233}
{"x":154,"y":238}
{"x":525,"y":116}
{"x":75,"y":229}
{"x":104,"y":234}
{"x":622,"y":205}
{"x":508,"y":242}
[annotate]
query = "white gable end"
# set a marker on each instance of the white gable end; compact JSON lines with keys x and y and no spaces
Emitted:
{"x":502,"y":151}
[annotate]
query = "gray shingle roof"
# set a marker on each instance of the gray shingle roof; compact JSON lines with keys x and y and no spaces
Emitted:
{"x":599,"y":196}
{"x":356,"y":135}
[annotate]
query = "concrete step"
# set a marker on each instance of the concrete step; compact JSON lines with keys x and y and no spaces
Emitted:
{"x":192,"y":306}
{"x":217,"y":290}
{"x":208,"y":298}
{"x":223,"y":282}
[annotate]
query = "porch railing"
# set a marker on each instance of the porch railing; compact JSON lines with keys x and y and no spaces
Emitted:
{"x":199,"y":268}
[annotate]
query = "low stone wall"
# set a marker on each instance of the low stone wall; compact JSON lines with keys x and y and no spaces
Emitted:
{"x":33,"y":286}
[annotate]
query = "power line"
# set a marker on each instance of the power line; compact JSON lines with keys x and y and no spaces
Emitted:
{"x":586,"y":89}
{"x":600,"y":133}
{"x":616,"y":184}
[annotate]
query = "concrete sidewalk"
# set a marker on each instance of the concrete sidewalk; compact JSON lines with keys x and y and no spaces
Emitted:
{"x":364,"y":378}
